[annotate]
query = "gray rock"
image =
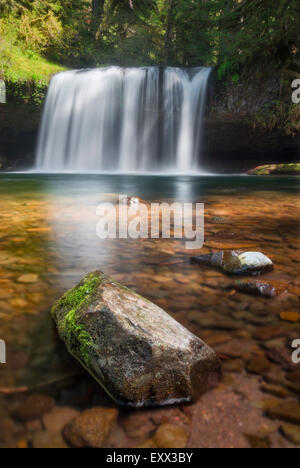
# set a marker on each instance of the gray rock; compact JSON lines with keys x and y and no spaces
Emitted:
{"x":138,"y":353}
{"x":234,"y":263}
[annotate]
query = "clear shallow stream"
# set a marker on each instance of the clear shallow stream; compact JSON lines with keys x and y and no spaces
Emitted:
{"x":48,"y":242}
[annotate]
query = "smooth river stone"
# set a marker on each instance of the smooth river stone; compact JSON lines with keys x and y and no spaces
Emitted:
{"x":137,"y":352}
{"x":234,"y":263}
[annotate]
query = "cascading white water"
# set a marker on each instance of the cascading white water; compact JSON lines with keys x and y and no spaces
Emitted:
{"x":124,"y":120}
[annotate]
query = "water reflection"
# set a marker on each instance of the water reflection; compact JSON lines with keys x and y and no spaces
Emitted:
{"x":48,"y":242}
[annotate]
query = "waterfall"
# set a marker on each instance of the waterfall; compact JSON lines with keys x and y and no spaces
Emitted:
{"x":124,"y":120}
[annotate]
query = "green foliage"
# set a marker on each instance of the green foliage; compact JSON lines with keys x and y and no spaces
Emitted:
{"x":281,"y":114}
{"x":258,"y":33}
{"x":276,"y":169}
{"x":232,"y":34}
{"x":241,"y":38}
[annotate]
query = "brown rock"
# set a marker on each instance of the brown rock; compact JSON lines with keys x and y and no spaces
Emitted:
{"x":275,"y":343}
{"x":258,"y":365}
{"x":148,"y":444}
{"x":117,"y":438}
{"x":28,"y":278}
{"x":287,"y":411}
{"x":256,"y":288}
{"x":58,"y":418}
{"x":238,"y":348}
{"x":290,"y":316}
{"x":292,"y":433}
{"x":91,"y":428}
{"x":17,"y":359}
{"x":138,"y":425}
{"x":294,"y":377}
{"x":22,"y":444}
{"x":47,"y":440}
{"x":268,"y":333}
{"x":170,"y":436}
{"x":276,"y":390}
{"x":34,"y":407}
{"x":258,"y":442}
{"x":283,"y":357}
{"x":234,"y":365}
{"x":295,"y":387}
{"x":34,"y":425}
{"x":9,"y":429}
{"x":216,"y":338}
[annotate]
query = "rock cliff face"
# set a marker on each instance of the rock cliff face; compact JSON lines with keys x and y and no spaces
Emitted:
{"x":249,"y":124}
{"x":19,"y":124}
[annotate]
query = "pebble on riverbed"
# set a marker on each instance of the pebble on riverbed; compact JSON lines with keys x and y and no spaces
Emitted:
{"x":34,"y":407}
{"x":234,"y":263}
{"x":257,"y":288}
{"x":292,"y":433}
{"x":170,"y":436}
{"x":287,"y":411}
{"x":91,"y":428}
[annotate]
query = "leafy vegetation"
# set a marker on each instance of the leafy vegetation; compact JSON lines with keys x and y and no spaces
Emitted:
{"x":241,"y":38}
{"x":227,"y":33}
{"x":276,"y":169}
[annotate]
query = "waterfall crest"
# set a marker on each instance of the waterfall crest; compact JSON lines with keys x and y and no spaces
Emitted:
{"x":124,"y":120}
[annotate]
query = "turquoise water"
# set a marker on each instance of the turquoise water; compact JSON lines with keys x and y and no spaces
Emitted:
{"x":187,"y":188}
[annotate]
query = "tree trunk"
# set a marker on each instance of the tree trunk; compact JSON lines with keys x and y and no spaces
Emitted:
{"x":97,"y":10}
{"x":95,"y":7}
{"x":106,"y":11}
{"x":169,"y":30}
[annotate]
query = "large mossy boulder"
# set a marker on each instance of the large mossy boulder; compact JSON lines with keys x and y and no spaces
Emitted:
{"x":276,"y":169}
{"x":137,"y":352}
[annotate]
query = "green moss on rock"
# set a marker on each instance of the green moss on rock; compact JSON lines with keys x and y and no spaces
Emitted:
{"x":70,"y":327}
{"x":276,"y":169}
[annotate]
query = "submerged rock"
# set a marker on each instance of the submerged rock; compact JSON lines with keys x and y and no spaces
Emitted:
{"x":287,"y":411}
{"x":34,"y":407}
{"x":290,"y":316}
{"x":91,"y":428}
{"x":138,"y":353}
{"x":292,"y":433}
{"x":258,"y":365}
{"x":257,"y":441}
{"x":47,"y":440}
{"x":170,"y":436}
{"x":234,"y":263}
{"x":257,"y":288}
{"x":58,"y":418}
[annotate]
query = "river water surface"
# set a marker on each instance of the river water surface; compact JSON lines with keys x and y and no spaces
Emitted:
{"x":48,"y":242}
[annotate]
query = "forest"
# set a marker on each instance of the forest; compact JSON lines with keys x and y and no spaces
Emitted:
{"x":250,"y":43}
{"x":237,"y":36}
